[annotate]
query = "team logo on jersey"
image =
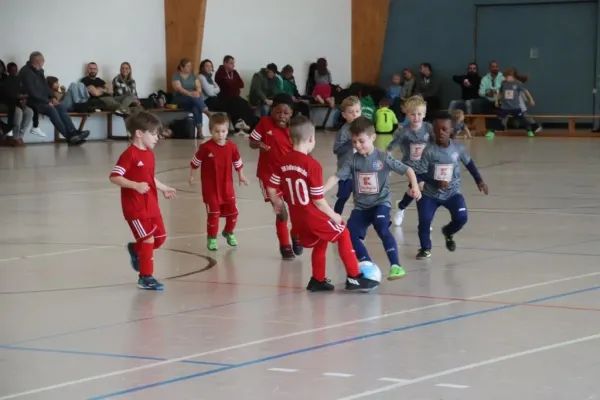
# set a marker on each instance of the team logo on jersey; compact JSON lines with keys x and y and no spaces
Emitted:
{"x":140,"y":164}
{"x":270,"y":133}
{"x":454,"y":156}
{"x":377,"y":165}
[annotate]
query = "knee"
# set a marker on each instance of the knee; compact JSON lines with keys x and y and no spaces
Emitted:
{"x":159,"y":241}
{"x":461,"y":217}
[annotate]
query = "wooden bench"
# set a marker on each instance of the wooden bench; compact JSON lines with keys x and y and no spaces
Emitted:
{"x":477,"y":122}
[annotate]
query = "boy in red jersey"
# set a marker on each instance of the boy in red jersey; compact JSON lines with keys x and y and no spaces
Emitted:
{"x":134,"y":173}
{"x":272,"y":137}
{"x":299,"y":179}
{"x":216,"y":157}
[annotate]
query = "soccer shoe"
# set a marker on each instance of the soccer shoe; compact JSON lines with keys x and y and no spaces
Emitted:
{"x":211,"y":243}
{"x":399,"y":217}
{"x":424,"y":254}
{"x":396,"y":272}
{"x":231,"y":240}
{"x":450,"y":243}
{"x":315,"y":285}
{"x":360,"y":283}
{"x":287,"y":253}
{"x":149,"y":283}
{"x":297,"y":247}
{"x":490,"y":134}
{"x":530,"y":134}
{"x":135,"y":262}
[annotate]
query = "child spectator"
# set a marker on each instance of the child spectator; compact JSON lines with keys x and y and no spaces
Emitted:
{"x":458,"y":125}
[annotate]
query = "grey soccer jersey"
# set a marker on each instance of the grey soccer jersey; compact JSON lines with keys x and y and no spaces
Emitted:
{"x":412,"y":143}
{"x":342,"y":147}
{"x":511,"y":95}
{"x":443,"y":164}
{"x":371,"y":176}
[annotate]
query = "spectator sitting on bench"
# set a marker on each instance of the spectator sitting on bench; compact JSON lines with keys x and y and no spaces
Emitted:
{"x":101,"y":93}
{"x":124,"y":84}
{"x":265,"y":85}
{"x":290,"y":88}
{"x":76,"y":94}
{"x":19,"y":115}
{"x":41,"y":99}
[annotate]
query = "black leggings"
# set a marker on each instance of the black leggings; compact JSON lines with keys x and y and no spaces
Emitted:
{"x":236,"y":107}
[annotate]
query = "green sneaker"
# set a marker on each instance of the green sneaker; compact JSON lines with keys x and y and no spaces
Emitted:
{"x":396,"y":272}
{"x":231,"y":240}
{"x":490,"y":134}
{"x":212,"y":244}
{"x":530,"y":134}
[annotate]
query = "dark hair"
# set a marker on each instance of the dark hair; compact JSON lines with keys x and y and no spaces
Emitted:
{"x":51,"y":80}
{"x":143,"y":121}
{"x":362,"y":125}
{"x":322,"y":66}
{"x":427,"y":65}
{"x":272,"y":67}
{"x":227,"y":58}
{"x":218,"y":119}
{"x":385,"y":101}
{"x":282,"y":98}
{"x":443,"y":115}
{"x":287,"y":68}
{"x":203,"y":63}
{"x":92,"y":63}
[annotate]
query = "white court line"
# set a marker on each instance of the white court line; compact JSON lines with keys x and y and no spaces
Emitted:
{"x":57,"y":253}
{"x":451,"y":386}
{"x":393,"y":380}
{"x":338,"y":375}
{"x":470,"y":366}
{"x":286,"y":336}
{"x":282,"y":370}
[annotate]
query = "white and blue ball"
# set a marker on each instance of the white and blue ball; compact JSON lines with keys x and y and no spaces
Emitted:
{"x":370,"y":270}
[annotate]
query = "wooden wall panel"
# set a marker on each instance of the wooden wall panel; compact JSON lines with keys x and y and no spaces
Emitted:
{"x":184,"y":30}
{"x":369,"y":23}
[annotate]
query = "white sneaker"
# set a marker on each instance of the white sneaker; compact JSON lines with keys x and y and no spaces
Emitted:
{"x":399,"y":217}
{"x":241,"y":125}
{"x":37,"y":132}
{"x":9,"y":134}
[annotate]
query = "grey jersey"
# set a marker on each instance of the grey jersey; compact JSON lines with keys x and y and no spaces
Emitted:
{"x":371,"y":175}
{"x":443,"y":164}
{"x":510,"y":93}
{"x":412,"y":143}
{"x":342,"y":147}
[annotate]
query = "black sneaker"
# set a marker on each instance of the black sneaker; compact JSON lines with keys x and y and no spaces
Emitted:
{"x":317,"y":286}
{"x":135,"y":261}
{"x":149,"y":283}
{"x":287,"y":253}
{"x":450,"y":243}
{"x":424,"y":254}
{"x":297,"y":247}
{"x":360,"y":283}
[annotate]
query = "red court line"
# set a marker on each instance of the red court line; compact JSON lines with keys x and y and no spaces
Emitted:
{"x":506,"y":303}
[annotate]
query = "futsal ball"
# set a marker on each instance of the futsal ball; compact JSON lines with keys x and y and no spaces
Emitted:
{"x":370,"y":270}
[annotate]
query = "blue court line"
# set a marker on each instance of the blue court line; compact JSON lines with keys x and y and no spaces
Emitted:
{"x":113,"y":355}
{"x":93,"y":328}
{"x":339,"y":342}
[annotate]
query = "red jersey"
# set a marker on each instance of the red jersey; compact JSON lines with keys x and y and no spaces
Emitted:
{"x":278,"y":139}
{"x":300,"y":179}
{"x":137,"y":165}
{"x":216,"y":176}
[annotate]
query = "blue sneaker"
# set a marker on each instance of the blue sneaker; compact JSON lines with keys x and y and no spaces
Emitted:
{"x":134,"y":257}
{"x":149,"y":283}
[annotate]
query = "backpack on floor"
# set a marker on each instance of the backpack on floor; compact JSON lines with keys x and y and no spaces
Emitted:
{"x":183,"y":128}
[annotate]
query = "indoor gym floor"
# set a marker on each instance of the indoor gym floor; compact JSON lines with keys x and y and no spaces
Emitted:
{"x":512,"y":314}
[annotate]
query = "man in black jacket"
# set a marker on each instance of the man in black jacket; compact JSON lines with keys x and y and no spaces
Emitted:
{"x":469,"y":85}
{"x":42,"y":99}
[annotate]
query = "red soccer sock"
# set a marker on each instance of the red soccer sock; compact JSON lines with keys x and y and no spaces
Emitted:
{"x":212,"y":225}
{"x":347,"y":254}
{"x":146,"y":258}
{"x":319,"y":254}
{"x":230,"y":223}
{"x":283,"y":234}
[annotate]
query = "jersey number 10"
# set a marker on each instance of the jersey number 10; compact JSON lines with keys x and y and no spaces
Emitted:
{"x":298,"y":191}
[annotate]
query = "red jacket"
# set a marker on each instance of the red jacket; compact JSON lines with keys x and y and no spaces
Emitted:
{"x":231,"y":84}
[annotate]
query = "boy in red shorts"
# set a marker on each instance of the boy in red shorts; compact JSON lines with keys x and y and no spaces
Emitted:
{"x":134,"y":173}
{"x":272,"y":137}
{"x":299,"y":179}
{"x":217,"y":157}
